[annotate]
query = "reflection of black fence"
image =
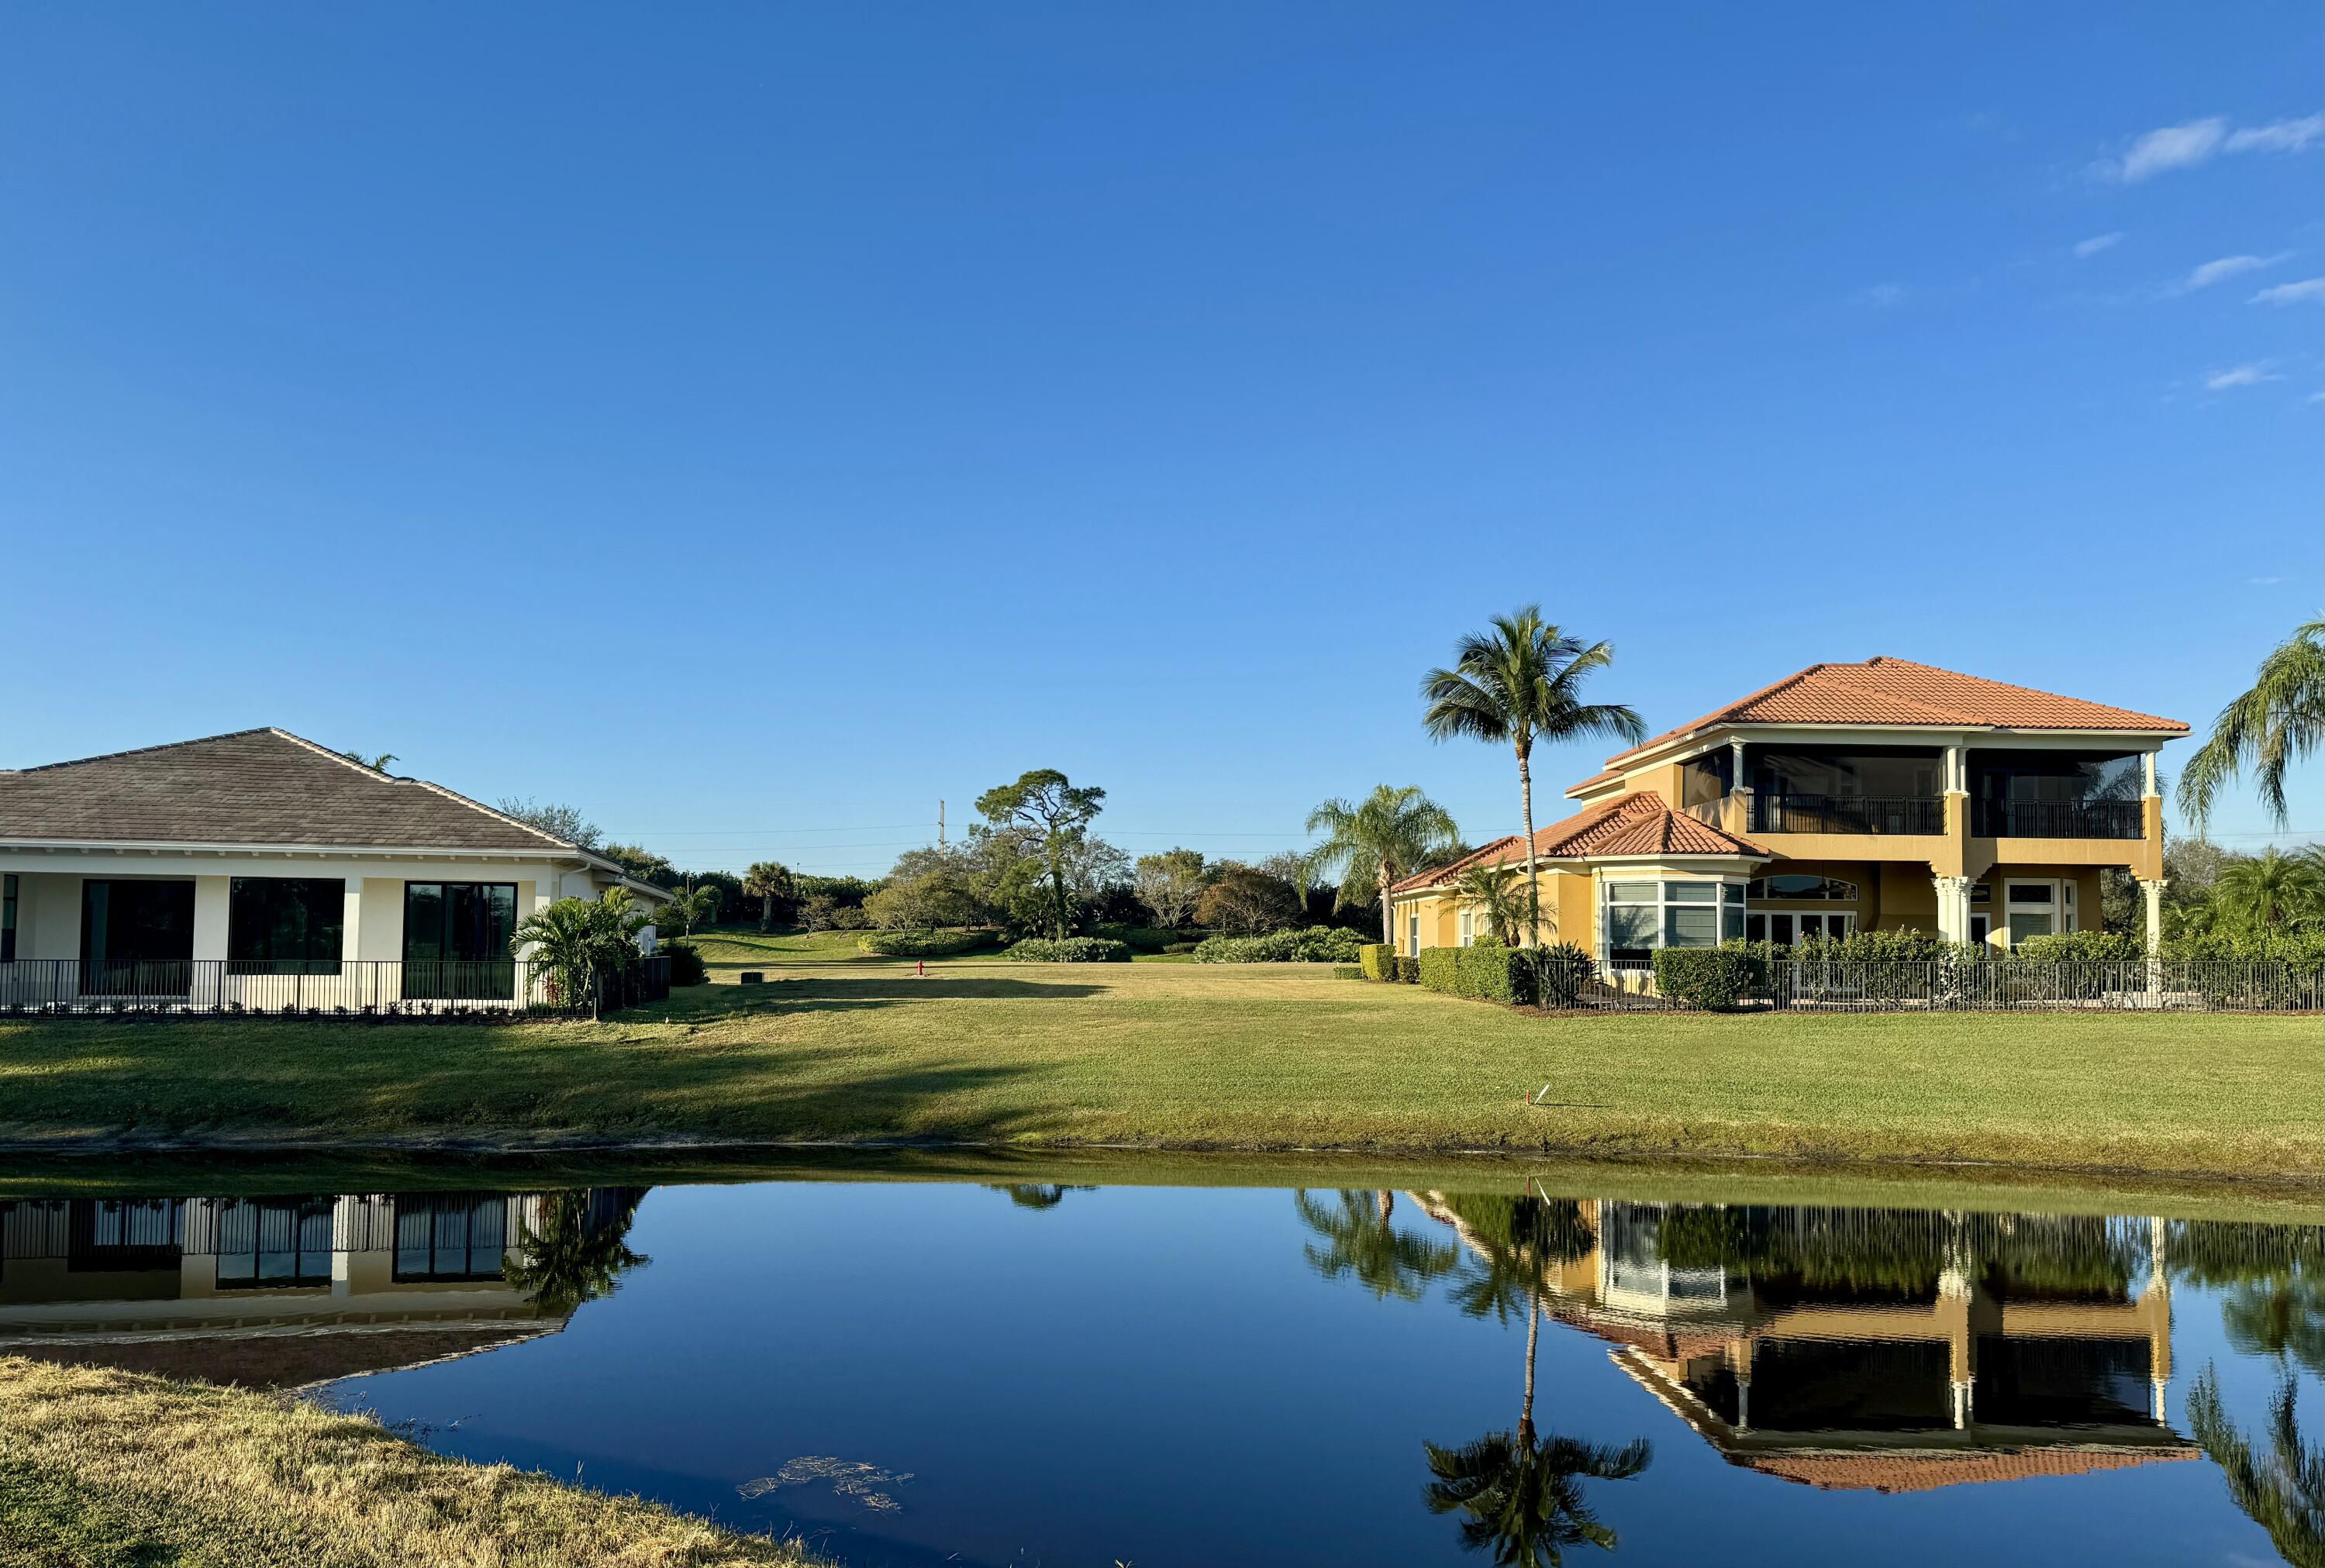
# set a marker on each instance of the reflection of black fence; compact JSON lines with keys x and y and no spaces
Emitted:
{"x":304,"y":988}
{"x":1993,"y":985}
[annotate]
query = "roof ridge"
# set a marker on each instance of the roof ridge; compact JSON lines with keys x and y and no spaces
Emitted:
{"x":391,"y":779}
{"x":1953,"y":715}
{"x":143,"y":751}
{"x":2016,"y":686}
{"x":1716,"y":715}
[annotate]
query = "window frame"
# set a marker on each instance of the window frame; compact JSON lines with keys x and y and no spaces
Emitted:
{"x":237,"y":911}
{"x":1728,"y":914}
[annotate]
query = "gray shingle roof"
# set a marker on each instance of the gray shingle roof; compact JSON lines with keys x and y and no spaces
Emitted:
{"x":253,"y":787}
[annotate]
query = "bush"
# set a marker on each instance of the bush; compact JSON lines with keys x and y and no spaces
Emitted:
{"x":1072,"y":950}
{"x":1437,"y":969}
{"x":1141,"y":938}
{"x":1715,"y":979}
{"x":1377,"y":960}
{"x":2301,"y":947}
{"x":1559,"y":972}
{"x":2081,"y":948}
{"x":1876,"y":947}
{"x":1348,"y":971}
{"x":922,"y":944}
{"x":1486,"y":972}
{"x":1315,"y":945}
{"x":1408,"y":971}
{"x":685,"y":963}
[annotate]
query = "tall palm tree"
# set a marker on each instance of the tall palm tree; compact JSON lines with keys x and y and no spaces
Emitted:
{"x":1394,"y":833}
{"x":689,"y":907}
{"x":1361,"y":1242}
{"x":768,"y":880}
{"x":1493,"y":892}
{"x":2279,"y":721}
{"x":2283,"y":1494}
{"x":1521,"y":681}
{"x":2271,"y":890}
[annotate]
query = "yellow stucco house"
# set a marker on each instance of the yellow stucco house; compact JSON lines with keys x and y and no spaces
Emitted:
{"x":1879,"y":795}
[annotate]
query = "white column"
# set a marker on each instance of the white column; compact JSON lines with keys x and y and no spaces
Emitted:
{"x":2147,"y":775}
{"x":212,"y":897}
{"x":351,"y":920}
{"x":2151,"y":891}
{"x":1957,"y":771}
{"x":1953,"y":907}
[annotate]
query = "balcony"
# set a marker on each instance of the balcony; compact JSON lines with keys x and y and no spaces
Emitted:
{"x":1787,"y":812}
{"x":2057,"y":819}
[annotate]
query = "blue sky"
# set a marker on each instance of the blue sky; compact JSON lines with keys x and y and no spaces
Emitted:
{"x":756,"y":424}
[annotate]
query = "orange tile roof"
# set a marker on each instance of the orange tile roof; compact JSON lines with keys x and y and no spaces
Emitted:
{"x":1897,"y":691}
{"x":1638,"y":822}
{"x":1916,"y":1472}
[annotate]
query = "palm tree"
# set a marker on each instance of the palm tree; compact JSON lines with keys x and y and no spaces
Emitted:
{"x":583,"y":941}
{"x":1493,"y":892}
{"x":1362,"y":1242}
{"x":1520,"y":682}
{"x":2280,"y":720}
{"x":376,"y":761}
{"x":689,"y":907}
{"x":768,"y":880}
{"x":2284,"y":1495}
{"x":580,"y":1250}
{"x":1394,"y":833}
{"x":2271,"y":890}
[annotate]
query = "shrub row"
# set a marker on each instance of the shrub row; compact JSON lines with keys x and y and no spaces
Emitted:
{"x":1715,"y":979}
{"x":1348,"y":971}
{"x":1377,"y":960}
{"x":1315,"y":945}
{"x":923,"y":943}
{"x":1488,"y":972}
{"x":1072,"y":950}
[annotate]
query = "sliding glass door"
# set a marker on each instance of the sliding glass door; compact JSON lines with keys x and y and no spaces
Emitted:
{"x":136,"y":938}
{"x":456,"y":941}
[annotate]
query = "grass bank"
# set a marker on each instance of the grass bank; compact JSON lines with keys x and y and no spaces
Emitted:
{"x":1203,"y":1056}
{"x":105,"y":1467}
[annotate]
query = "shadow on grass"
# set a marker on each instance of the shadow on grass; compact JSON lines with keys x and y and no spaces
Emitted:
{"x":840,"y":992}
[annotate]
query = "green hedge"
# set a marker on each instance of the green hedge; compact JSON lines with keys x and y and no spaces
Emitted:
{"x":1715,"y":979}
{"x":1437,"y":970}
{"x":1408,"y":971}
{"x":685,"y":962}
{"x":922,"y":944}
{"x":1377,"y":960}
{"x":2081,"y":948}
{"x":1072,"y":950}
{"x":1315,"y":945}
{"x":1486,"y":972}
{"x":1348,"y":971}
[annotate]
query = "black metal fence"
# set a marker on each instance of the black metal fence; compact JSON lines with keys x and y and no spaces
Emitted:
{"x":1774,"y":812}
{"x":304,"y":987}
{"x":2004,"y":985}
{"x":2057,"y":819}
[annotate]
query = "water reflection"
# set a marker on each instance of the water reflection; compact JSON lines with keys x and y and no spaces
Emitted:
{"x":290,"y":1290}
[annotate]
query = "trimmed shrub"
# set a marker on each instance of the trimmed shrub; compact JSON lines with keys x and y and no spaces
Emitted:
{"x":2298,"y":947}
{"x":1315,"y":945}
{"x":2081,"y":948}
{"x":1377,"y":960}
{"x":1072,"y":950}
{"x":1348,"y":971}
{"x":1439,"y":969}
{"x":1488,"y":972}
{"x":1715,"y":979}
{"x":922,"y":944}
{"x":1408,"y":971}
{"x":1559,"y":972}
{"x":685,"y":962}
{"x":1876,"y":948}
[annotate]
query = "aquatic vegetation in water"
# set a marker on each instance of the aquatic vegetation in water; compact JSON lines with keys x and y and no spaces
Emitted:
{"x":850,"y":1478}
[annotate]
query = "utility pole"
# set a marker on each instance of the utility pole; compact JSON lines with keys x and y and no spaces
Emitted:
{"x":940,"y":844}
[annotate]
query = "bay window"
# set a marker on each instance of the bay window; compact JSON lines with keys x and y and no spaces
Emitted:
{"x":1669,"y":912}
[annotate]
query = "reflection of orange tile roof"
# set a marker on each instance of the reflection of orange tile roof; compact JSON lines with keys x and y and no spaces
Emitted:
{"x":1638,"y":822}
{"x":1897,"y":691}
{"x":1918,"y":1473}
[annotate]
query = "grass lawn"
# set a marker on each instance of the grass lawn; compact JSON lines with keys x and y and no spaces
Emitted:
{"x":1206,"y":1056}
{"x":110,"y":1467}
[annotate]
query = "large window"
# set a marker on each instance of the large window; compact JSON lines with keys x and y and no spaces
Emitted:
{"x":8,"y":917}
{"x":1785,"y":928}
{"x":274,"y":1242}
{"x":136,"y":938}
{"x":285,"y":925}
{"x":450,"y":1237}
{"x":1643,"y":916}
{"x":456,"y":940}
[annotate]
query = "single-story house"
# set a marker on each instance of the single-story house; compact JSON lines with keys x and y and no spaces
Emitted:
{"x":261,"y":870}
{"x":1883,"y":795}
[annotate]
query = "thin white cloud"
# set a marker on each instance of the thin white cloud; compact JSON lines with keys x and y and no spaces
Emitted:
{"x":1881,"y":296}
{"x":2086,"y":249}
{"x":2291,"y":293}
{"x":2263,"y":582}
{"x":2225,"y":267}
{"x":2185,"y":146}
{"x":2251,"y":375}
{"x":2283,"y":136}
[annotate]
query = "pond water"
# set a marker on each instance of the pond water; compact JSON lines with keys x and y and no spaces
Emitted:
{"x":912,"y":1371}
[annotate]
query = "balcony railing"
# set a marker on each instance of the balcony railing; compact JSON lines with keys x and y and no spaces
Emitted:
{"x":1777,"y":812}
{"x":305,"y":988}
{"x":2058,"y":819}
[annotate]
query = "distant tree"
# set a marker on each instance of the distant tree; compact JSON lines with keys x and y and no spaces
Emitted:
{"x":2270,"y":891}
{"x":376,"y":761}
{"x":944,"y":897}
{"x":689,"y":907}
{"x":1521,"y":681}
{"x":1248,"y":900}
{"x":1047,"y":815}
{"x":563,"y":822}
{"x":1493,"y":892}
{"x":641,"y":863}
{"x":772,"y":883}
{"x":1171,"y":883}
{"x":1292,"y":867}
{"x":1391,"y":834}
{"x":2279,"y":721}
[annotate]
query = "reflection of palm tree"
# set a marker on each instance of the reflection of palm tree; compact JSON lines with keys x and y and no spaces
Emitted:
{"x":580,"y":1249}
{"x":1384,"y":1259}
{"x":1522,"y":1495}
{"x":1035,"y":1194}
{"x":2278,"y":1317}
{"x":2284,"y":1496}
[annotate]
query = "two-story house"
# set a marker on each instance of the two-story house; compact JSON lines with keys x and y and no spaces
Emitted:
{"x":1880,"y":796}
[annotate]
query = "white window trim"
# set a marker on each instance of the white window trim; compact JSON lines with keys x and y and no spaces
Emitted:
{"x":2061,"y":907}
{"x":1664,"y":904}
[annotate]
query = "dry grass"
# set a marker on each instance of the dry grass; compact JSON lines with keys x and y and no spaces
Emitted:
{"x":1211,"y":1057}
{"x":103,"y":1467}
